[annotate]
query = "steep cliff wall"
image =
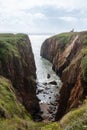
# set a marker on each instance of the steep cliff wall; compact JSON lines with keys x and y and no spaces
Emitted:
{"x":69,"y":58}
{"x":17,"y":64}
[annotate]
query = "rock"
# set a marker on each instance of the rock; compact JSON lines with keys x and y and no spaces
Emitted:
{"x":48,"y":76}
{"x":39,"y":91}
{"x":41,"y":112}
{"x":51,"y":119}
{"x":50,"y":111}
{"x":47,"y":88}
{"x":53,"y":82}
{"x":37,"y":118}
{"x":44,"y":83}
{"x":68,"y":62}
{"x":18,"y":65}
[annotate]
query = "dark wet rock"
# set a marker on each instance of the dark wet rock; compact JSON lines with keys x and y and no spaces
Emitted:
{"x":51,"y":118}
{"x":48,"y":76}
{"x":46,"y":93}
{"x":47,"y":88}
{"x":39,"y":91}
{"x":50,"y":111}
{"x":39,"y":100}
{"x":53,"y":82}
{"x":51,"y":103}
{"x":44,"y":83}
{"x":41,"y":112}
{"x":37,"y":118}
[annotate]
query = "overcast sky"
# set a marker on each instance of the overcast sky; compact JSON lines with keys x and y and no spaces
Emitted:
{"x":42,"y":16}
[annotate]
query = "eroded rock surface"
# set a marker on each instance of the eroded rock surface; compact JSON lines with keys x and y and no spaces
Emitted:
{"x":68,"y":53}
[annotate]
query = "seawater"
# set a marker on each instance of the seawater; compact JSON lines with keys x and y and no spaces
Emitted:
{"x":43,"y":67}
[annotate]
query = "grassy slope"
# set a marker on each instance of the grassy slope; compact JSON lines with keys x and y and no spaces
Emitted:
{"x":12,"y":113}
{"x":76,"y":119}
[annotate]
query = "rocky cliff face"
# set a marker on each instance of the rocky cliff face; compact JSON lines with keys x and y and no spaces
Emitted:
{"x":17,"y":64}
{"x":68,"y":53}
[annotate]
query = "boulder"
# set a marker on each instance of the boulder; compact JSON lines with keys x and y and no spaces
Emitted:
{"x":48,"y":76}
{"x":53,"y":82}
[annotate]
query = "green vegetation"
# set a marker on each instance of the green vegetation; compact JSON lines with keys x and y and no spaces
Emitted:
{"x":84,"y":62}
{"x":9,"y":43}
{"x":76,"y":119}
{"x":10,"y":108}
{"x":9,"y":48}
{"x":84,"y":41}
{"x":84,"y":53}
{"x":64,"y":38}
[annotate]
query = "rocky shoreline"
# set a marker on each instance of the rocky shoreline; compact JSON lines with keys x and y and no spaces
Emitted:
{"x":48,"y":94}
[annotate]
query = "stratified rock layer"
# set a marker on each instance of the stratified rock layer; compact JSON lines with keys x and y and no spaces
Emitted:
{"x":68,"y":53}
{"x":17,"y":64}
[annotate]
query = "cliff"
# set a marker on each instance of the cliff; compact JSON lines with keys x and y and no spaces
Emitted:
{"x":13,"y":115}
{"x":17,"y":64}
{"x":68,"y":54}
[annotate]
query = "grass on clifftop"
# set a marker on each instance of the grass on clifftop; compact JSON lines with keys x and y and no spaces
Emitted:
{"x":9,"y":43}
{"x":75,"y":119}
{"x":63,"y":39}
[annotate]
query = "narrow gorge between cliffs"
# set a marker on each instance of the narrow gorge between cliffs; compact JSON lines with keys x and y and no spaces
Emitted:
{"x":48,"y":83}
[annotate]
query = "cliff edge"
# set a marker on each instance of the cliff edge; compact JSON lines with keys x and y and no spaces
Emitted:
{"x":17,"y":64}
{"x":68,"y":54}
